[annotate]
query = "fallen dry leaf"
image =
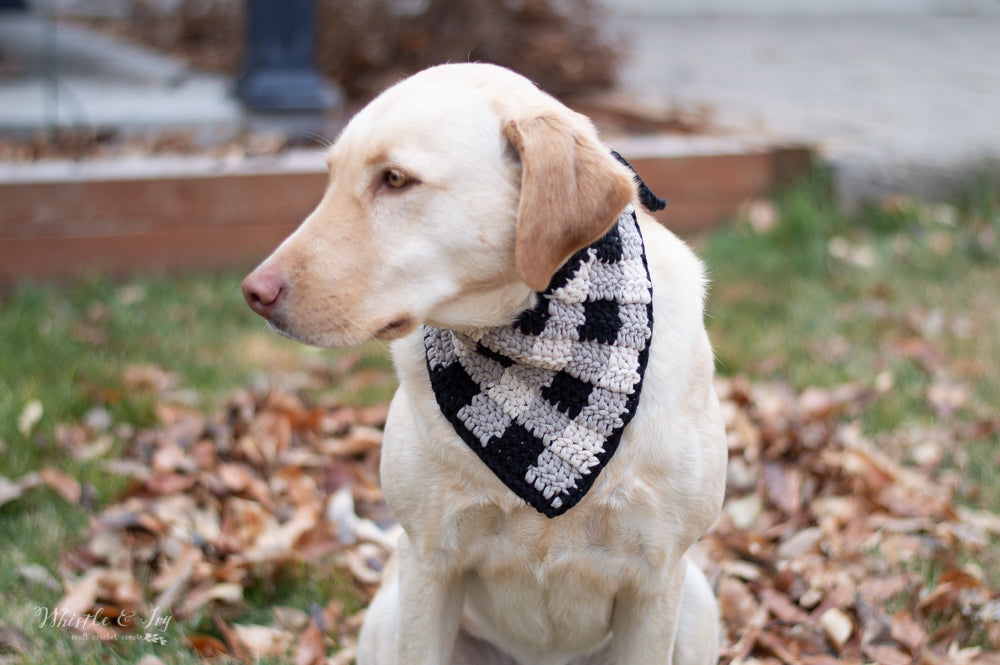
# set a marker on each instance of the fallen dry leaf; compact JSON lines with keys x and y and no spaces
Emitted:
{"x":149,"y":659}
{"x":63,"y":484}
{"x":946,"y":397}
{"x":150,"y":377}
{"x":738,"y":606}
{"x":819,"y":534}
{"x":30,"y":416}
{"x":222,"y":501}
{"x":38,"y":574}
{"x":822,"y":528}
{"x":229,"y":593}
{"x":83,"y":594}
{"x":837,"y":626}
{"x":291,"y":618}
{"x":13,"y":640}
{"x":207,"y":646}
{"x":783,"y":608}
{"x":907,"y":632}
{"x":345,"y":656}
{"x":263,"y":641}
{"x":310,"y":647}
{"x":885,"y":654}
{"x":11,"y":490}
{"x":763,"y":215}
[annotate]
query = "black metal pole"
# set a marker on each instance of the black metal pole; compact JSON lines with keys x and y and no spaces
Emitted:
{"x":279,"y":70}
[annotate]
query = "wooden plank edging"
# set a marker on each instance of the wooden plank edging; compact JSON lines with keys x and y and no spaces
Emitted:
{"x":66,"y":220}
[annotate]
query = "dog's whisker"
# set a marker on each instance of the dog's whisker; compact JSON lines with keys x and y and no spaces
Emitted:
{"x":370,"y":333}
{"x":318,"y":138}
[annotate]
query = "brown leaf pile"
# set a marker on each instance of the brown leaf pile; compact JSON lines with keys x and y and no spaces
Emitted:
{"x":829,"y":551}
{"x":221,"y":503}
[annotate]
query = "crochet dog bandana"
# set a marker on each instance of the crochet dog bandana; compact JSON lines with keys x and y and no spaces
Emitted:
{"x":543,"y":402}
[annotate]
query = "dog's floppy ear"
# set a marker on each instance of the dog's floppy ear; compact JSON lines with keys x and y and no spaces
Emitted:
{"x":572,"y":191}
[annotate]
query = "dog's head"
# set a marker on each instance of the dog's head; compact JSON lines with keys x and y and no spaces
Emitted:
{"x":452,"y":197}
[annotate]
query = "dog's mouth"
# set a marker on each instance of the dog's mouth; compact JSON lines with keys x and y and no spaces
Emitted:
{"x":278,"y":325}
{"x":396,"y":328}
{"x":342,"y":337}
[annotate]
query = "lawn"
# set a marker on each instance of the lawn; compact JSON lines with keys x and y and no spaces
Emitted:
{"x":902,"y":296}
{"x":91,"y":363}
{"x":898,"y":298}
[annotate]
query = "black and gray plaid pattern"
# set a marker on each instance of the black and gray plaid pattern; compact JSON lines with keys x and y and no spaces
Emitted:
{"x":543,"y":402}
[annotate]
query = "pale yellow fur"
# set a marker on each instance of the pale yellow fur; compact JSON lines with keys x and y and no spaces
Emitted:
{"x":481,"y":577}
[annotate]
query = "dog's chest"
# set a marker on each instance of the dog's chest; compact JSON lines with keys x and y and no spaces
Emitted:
{"x":548,"y":584}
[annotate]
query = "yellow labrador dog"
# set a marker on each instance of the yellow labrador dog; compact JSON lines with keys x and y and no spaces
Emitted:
{"x":547,"y":506}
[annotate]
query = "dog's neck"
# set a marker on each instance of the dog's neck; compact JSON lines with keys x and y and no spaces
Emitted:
{"x":494,"y":306}
{"x":543,"y":401}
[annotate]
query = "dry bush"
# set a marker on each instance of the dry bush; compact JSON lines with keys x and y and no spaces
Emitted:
{"x":365,"y":45}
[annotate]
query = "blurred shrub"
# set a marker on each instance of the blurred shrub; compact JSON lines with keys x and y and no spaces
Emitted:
{"x":367,"y":44}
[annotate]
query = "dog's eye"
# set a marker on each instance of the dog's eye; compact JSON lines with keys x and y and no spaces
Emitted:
{"x":395,"y":179}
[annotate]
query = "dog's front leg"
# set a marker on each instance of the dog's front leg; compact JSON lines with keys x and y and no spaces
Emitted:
{"x":431,"y":601}
{"x":644,"y":621}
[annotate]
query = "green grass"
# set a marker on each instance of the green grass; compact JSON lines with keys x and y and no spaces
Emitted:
{"x":903,"y":294}
{"x":907,"y":292}
{"x":68,"y":347}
